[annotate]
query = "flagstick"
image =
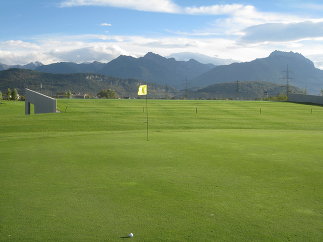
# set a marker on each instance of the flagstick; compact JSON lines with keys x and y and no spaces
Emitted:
{"x":147,"y":114}
{"x":143,"y":91}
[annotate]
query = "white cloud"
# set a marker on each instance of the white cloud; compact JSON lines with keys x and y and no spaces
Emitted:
{"x":283,"y":32}
{"x":18,"y":44}
{"x":318,"y":60}
{"x":166,"y":6}
{"x":103,"y":48}
{"x":261,"y":32}
{"x":106,"y":24}
{"x":61,"y":48}
{"x":86,"y":54}
{"x":245,"y":14}
{"x":219,"y":9}
{"x":231,"y":19}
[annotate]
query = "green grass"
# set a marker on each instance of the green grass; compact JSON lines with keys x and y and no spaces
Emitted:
{"x":227,"y":173}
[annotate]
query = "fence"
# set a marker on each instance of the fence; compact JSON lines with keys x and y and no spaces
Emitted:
{"x":300,"y":98}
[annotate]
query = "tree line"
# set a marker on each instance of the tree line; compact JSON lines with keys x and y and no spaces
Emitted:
{"x":12,"y":94}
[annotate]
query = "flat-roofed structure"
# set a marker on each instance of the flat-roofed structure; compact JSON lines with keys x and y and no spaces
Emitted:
{"x":42,"y":103}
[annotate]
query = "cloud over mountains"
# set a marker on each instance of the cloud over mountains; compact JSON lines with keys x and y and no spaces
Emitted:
{"x":241,"y":31}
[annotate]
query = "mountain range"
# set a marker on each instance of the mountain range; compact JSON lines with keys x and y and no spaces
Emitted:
{"x":29,"y":66}
{"x":205,"y":59}
{"x":278,"y":68}
{"x":151,"y":68}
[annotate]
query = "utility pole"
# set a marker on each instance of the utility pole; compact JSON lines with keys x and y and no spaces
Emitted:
{"x":266,"y":95}
{"x":52,"y":89}
{"x":238,"y":88}
{"x":186,"y":87}
{"x":287,"y":78}
{"x":287,"y":82}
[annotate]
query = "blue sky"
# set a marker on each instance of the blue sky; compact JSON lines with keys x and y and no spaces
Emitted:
{"x":100,"y":30}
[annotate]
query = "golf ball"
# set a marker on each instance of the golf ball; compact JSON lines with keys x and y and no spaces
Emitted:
{"x":130,"y":235}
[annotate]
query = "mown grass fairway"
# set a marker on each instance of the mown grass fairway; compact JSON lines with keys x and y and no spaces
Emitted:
{"x":225,"y":173}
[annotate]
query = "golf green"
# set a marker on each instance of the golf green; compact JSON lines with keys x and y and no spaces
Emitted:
{"x":211,"y":171}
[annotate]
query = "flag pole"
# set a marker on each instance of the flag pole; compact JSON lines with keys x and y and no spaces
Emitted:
{"x":147,"y":113}
{"x":142,"y":90}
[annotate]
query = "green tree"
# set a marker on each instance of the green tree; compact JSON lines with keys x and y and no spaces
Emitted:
{"x":107,"y":93}
{"x":8,"y":94}
{"x":0,"y":95}
{"x":280,"y":97}
{"x":68,"y":94}
{"x":14,"y":94}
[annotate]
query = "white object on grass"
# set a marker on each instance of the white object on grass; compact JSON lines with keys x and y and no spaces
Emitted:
{"x":130,"y":235}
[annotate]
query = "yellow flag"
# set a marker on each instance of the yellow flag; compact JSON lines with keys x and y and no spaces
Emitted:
{"x":142,"y":90}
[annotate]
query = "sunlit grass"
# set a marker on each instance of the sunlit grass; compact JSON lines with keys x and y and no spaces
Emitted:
{"x":211,"y":171}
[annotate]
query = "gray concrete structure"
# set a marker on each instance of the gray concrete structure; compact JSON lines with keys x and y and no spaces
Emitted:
{"x":301,"y":98}
{"x":42,"y":103}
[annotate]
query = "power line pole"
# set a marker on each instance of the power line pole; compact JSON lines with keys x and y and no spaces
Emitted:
{"x":287,"y":82}
{"x":186,"y":88}
{"x":287,"y":79}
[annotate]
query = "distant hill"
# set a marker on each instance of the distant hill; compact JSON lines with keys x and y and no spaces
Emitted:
{"x":155,"y":68}
{"x":30,"y":66}
{"x":163,"y":71}
{"x":152,"y":68}
{"x":76,"y":83}
{"x":205,"y":59}
{"x":84,"y":83}
{"x":248,"y":90}
{"x":4,"y":67}
{"x":270,"y":69}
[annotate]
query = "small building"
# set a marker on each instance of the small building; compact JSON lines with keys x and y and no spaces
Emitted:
{"x":41,"y":102}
